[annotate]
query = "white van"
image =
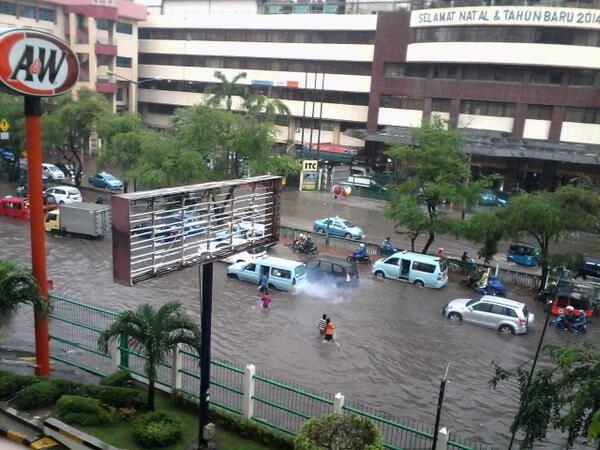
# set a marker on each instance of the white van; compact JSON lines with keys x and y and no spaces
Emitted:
{"x":364,"y":182}
{"x":415,"y":268}
{"x":284,"y":274}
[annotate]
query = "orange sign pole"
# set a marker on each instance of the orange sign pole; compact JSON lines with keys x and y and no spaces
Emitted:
{"x":33,"y":140}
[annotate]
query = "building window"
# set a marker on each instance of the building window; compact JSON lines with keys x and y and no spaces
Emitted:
{"x":481,"y":108}
{"x":389,"y":101}
{"x":47,"y":14}
{"x":440,"y":105}
{"x":284,"y":65}
{"x":119,"y":94}
{"x":27,"y":11}
{"x":582,"y":115}
{"x":8,"y":8}
{"x":492,"y":73}
{"x":103,"y":24}
{"x":546,"y":75}
{"x":124,"y":28}
{"x":585,"y":78}
{"x":405,"y":70}
{"x":122,"y":61}
{"x":539,"y":112}
{"x":445,"y":71}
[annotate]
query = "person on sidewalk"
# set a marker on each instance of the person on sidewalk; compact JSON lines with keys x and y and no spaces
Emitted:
{"x":321,"y":325}
{"x":266,"y":299}
{"x":329,"y":327}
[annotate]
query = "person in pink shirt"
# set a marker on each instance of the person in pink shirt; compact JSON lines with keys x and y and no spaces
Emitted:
{"x":266,"y":299}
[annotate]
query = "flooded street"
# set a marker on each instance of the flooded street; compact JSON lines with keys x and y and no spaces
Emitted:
{"x":391,"y":349}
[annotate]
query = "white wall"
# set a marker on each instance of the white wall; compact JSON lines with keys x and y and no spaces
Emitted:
{"x":266,"y":21}
{"x":505,"y":53}
{"x":174,"y":7}
{"x":536,"y":129}
{"x":331,"y":111}
{"x":333,"y":81}
{"x":400,"y":117}
{"x":585,"y":133}
{"x":485,"y":122}
{"x":276,"y":50}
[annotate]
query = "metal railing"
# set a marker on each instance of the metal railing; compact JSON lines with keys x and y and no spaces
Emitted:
{"x":74,"y":330}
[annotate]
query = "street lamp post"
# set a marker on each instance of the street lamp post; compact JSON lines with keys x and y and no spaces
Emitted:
{"x":136,"y":83}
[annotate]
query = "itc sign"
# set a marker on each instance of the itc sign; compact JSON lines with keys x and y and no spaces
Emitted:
{"x":36,"y":64}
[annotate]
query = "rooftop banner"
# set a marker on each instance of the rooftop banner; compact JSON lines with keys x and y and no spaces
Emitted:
{"x":507,"y":15}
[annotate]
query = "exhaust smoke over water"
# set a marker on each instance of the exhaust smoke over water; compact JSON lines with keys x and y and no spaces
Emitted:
{"x":391,"y":342}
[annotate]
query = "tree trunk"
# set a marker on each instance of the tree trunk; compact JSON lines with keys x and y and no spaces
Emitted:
{"x":151,"y":393}
{"x":543,"y":277}
{"x":429,"y":242}
{"x":125,"y":185}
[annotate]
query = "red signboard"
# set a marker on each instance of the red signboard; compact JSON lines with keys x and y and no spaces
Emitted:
{"x":36,"y":64}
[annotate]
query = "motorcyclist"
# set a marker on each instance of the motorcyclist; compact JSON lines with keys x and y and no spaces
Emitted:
{"x":570,"y":317}
{"x":483,"y":280}
{"x":440,"y":253}
{"x":307,"y":245}
{"x":361,"y":252}
{"x":299,"y":243}
{"x":465,"y":257}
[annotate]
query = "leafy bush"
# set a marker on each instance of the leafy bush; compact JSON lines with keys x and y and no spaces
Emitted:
{"x":156,"y":429}
{"x":121,"y":378}
{"x":119,"y":397}
{"x":336,"y":431}
{"x":44,"y":393}
{"x":79,"y":410}
{"x":12,"y":383}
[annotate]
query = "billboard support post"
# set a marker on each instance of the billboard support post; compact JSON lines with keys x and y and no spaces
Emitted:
{"x":33,"y":138}
{"x":206,"y":285}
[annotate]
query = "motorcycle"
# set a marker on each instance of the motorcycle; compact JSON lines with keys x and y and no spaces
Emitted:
{"x":365,"y":259}
{"x":578,"y":325}
{"x":388,"y":250}
{"x":493,"y":286}
{"x":307,"y":249}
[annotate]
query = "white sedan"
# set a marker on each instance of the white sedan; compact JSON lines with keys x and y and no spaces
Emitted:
{"x":244,"y":256}
{"x":65,"y":194}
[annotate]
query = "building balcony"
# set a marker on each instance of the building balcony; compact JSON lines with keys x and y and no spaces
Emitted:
{"x":106,"y":48}
{"x":105,"y":86}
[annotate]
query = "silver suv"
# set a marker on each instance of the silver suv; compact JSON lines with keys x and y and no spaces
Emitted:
{"x":506,"y":316}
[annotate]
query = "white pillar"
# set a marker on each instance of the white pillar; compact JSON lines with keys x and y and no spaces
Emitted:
{"x":248,"y":390}
{"x":338,"y":403}
{"x":114,"y":353}
{"x":442,"y":441}
{"x":176,"y":365}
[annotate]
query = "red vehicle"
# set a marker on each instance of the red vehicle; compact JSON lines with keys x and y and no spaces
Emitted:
{"x":581,"y":303}
{"x":19,"y":207}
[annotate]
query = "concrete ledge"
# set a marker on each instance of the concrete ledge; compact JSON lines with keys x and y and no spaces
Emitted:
{"x":73,"y":438}
{"x":22,"y":418}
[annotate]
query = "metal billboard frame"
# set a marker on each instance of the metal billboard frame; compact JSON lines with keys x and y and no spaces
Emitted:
{"x":161,"y":231}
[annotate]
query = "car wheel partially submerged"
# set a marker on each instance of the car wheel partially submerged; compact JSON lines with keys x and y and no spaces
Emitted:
{"x":455,"y":317}
{"x":506,"y":329}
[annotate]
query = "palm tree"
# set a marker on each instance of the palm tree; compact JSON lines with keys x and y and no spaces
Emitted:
{"x":17,"y":286}
{"x":156,"y":333}
{"x":226,"y":90}
{"x":269,"y":107}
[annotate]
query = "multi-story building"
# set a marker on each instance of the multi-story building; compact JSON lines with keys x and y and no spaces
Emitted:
{"x":103,"y":33}
{"x":521,"y":82}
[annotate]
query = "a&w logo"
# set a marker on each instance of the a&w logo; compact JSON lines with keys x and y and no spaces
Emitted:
{"x":36,"y":63}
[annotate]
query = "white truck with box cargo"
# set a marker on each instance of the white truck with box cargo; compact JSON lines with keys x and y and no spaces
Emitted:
{"x":87,"y":219}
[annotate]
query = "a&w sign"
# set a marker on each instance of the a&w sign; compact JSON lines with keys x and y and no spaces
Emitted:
{"x":35,"y":63}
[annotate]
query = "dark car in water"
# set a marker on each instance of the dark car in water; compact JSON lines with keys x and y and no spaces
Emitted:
{"x":332,"y":270}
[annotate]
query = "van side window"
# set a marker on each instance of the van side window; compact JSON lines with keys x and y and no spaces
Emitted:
{"x":281,"y":273}
{"x":250,"y":267}
{"x":423,"y":267}
{"x":392,"y":261}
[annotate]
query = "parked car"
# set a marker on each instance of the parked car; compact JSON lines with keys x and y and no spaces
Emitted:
{"x":6,"y":155}
{"x":490,"y":199}
{"x":66,"y":168}
{"x":338,"y":226}
{"x":105,"y":180}
{"x":523,"y":254}
{"x":65,"y":194}
{"x":332,"y":270}
{"x":590,"y":267}
{"x":284,"y":274}
{"x":52,"y":172}
{"x":415,"y":268}
{"x":505,"y":315}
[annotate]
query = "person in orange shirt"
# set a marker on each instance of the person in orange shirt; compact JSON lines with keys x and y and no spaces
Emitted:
{"x":329,"y":327}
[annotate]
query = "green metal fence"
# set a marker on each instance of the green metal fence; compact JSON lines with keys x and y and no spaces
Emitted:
{"x":74,"y":330}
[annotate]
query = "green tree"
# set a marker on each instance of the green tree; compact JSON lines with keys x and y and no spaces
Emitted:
{"x":485,"y":228}
{"x":123,"y":137}
{"x":226,"y":90}
{"x":156,"y":332}
{"x":564,"y":395}
{"x":265,"y":107}
{"x":12,"y":109}
{"x":338,"y":432}
{"x":17,"y":286}
{"x":68,"y":124}
{"x":548,"y":217}
{"x":435,"y":172}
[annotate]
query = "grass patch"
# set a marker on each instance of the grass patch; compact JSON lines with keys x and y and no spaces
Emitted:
{"x":120,"y":434}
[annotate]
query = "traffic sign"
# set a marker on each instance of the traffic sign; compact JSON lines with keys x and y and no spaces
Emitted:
{"x":4,"y":125}
{"x":4,"y":135}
